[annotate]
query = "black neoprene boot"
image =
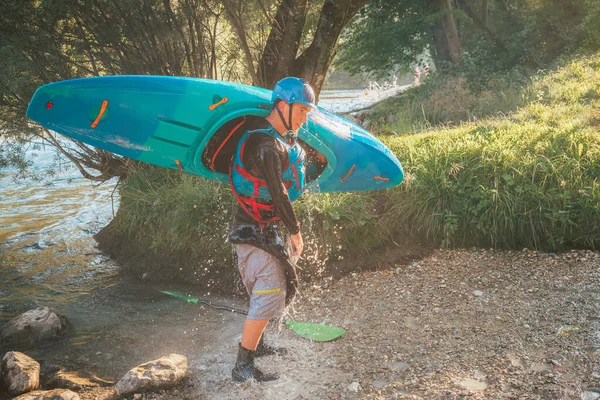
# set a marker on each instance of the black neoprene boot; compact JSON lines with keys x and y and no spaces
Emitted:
{"x":244,"y":368}
{"x":265,"y":350}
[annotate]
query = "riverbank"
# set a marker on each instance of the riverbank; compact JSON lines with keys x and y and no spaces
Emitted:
{"x":453,"y":324}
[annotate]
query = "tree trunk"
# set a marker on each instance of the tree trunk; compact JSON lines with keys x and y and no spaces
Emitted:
{"x":451,"y":32}
{"x":313,"y":64}
{"x":280,"y":52}
{"x":484,"y":13}
{"x":481,"y":25}
{"x":440,"y":51}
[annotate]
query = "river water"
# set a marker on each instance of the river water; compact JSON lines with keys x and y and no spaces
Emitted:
{"x":48,"y":257}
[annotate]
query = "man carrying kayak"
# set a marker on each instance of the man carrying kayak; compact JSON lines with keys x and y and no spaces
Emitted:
{"x":267,"y":175}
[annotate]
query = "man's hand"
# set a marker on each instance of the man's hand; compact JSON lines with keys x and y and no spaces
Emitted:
{"x":297,"y":244}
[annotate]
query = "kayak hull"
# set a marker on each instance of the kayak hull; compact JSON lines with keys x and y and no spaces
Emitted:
{"x":170,"y":121}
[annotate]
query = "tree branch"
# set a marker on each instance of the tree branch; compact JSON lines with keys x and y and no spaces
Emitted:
{"x":481,"y":25}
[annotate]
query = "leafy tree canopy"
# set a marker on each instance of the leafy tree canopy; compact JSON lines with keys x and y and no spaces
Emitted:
{"x":248,"y":41}
{"x":492,"y":34}
{"x":387,"y":34}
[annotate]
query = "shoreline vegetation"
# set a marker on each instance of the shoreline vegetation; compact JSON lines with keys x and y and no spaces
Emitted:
{"x":511,"y":164}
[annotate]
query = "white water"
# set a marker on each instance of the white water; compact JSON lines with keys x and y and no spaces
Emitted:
{"x":344,"y":101}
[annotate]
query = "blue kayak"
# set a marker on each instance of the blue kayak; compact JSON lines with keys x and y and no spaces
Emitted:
{"x":193,"y":125}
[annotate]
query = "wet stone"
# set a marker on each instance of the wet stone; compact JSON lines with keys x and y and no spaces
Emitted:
{"x":400,"y":366}
{"x":20,"y":373}
{"x":379,"y":384}
{"x":34,"y":326}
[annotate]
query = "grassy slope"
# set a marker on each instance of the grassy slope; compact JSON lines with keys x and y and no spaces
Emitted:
{"x":526,"y":180}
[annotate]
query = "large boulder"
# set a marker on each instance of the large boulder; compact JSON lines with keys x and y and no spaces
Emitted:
{"x":57,"y":394}
{"x":20,"y":373}
{"x":163,"y":373}
{"x":34,"y":326}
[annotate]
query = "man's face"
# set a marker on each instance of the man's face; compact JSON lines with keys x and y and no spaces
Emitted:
{"x":299,"y":114}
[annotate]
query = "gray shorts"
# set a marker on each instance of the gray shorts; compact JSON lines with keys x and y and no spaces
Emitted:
{"x":264,"y":278}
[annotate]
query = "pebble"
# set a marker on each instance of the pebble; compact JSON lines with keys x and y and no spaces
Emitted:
{"x":589,"y":395}
{"x":354,"y":387}
{"x":400,"y":366}
{"x":379,"y":384}
{"x":477,"y":293}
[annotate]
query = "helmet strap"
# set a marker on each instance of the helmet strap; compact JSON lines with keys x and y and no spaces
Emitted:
{"x":287,"y":126}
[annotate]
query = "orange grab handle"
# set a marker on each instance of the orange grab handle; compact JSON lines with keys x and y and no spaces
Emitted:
{"x":100,"y":114}
{"x":349,"y":173}
{"x":223,"y":101}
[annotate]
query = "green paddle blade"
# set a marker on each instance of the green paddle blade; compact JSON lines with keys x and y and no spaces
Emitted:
{"x":316,"y":332}
{"x":180,"y":296}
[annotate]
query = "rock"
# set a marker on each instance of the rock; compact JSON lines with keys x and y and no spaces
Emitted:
{"x":159,"y":374}
{"x":353,"y":119}
{"x":401,"y":366}
{"x":354,"y":387}
{"x":589,"y":395}
{"x":20,"y":373}
{"x":477,"y":293}
{"x":361,"y":115}
{"x":34,"y":326}
{"x":57,"y":394}
{"x":379,"y":384}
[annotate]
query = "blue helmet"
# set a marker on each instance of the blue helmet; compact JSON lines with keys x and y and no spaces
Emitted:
{"x":293,"y":90}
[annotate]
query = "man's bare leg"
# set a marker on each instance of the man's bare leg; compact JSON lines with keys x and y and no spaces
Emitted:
{"x":253,"y":331}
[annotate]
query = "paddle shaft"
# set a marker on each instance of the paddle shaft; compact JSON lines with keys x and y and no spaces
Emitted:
{"x":307,"y":330}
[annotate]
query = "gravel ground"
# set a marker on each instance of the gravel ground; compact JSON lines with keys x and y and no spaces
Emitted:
{"x":457,"y":324}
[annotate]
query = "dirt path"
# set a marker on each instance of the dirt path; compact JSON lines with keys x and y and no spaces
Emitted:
{"x":457,"y":324}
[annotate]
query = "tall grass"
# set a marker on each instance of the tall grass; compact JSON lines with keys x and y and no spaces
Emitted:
{"x":450,"y":100}
{"x":172,"y":225}
{"x":527,"y":180}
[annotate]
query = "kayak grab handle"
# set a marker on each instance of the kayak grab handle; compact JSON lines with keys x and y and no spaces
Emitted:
{"x":379,"y":178}
{"x":349,"y":173}
{"x":222,"y":101}
{"x":100,"y":114}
